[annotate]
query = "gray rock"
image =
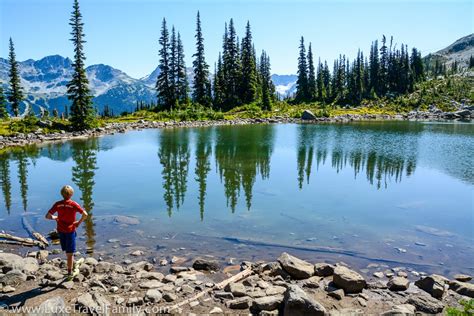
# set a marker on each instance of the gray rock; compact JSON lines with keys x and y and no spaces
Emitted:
{"x":425,"y":303}
{"x":463,"y":113}
{"x":102,"y":267}
{"x":52,"y":306}
{"x":237,"y":289}
{"x":13,"y":277}
{"x":462,"y":288}
{"x":135,"y":301}
{"x":308,"y":115}
{"x":170,"y":297}
{"x":348,"y":280}
{"x":187,"y":289}
{"x":170,"y":278}
{"x":153,"y":296}
{"x":462,"y":277}
{"x":298,"y":303}
{"x":297,"y":268}
{"x":323,"y":269}
{"x":401,"y":310}
{"x":91,"y":261}
{"x":205,"y":264}
{"x":433,"y":284}
{"x":67,"y":285}
{"x":216,"y":310}
{"x":30,"y":265}
{"x":152,"y":284}
{"x":275,"y":290}
{"x":379,"y":275}
{"x":10,"y":261}
{"x":177,"y":269}
{"x":43,"y":255}
{"x":337,"y":294}
{"x":239,"y":303}
{"x":312,"y":282}
{"x":141,"y":265}
{"x":267,"y":303}
{"x":398,"y":284}
{"x":8,"y":289}
{"x":93,"y":303}
{"x":128,"y":220}
{"x":137,"y":253}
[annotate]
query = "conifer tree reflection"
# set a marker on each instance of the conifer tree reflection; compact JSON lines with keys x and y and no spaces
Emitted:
{"x":84,"y":154}
{"x":174,"y":156}
{"x":203,"y":165}
{"x":22,"y":156}
{"x":5,"y":178}
{"x":306,"y":140}
{"x":242,"y":153}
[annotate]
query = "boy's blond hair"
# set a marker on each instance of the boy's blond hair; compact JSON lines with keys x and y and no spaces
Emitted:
{"x":67,"y":191}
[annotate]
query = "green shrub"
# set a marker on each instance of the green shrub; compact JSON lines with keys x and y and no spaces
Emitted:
{"x":468,"y":309}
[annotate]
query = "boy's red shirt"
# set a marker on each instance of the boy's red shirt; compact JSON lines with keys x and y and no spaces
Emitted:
{"x":66,"y":210}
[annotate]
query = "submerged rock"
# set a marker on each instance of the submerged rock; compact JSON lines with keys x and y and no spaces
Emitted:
{"x":297,"y":268}
{"x":348,"y":280}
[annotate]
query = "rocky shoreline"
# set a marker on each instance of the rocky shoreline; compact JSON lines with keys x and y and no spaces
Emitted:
{"x":464,"y":114}
{"x":286,"y":286}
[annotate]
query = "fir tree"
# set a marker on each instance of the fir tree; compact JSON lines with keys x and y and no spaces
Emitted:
{"x":82,"y":113}
{"x":374,"y":68}
{"x":181,"y":78}
{"x":383,"y":70}
{"x":164,"y":85}
{"x":311,"y":76}
{"x":249,"y":69}
{"x":218,"y":87}
{"x":15,"y":94}
{"x":173,"y":66}
{"x":267,"y":85}
{"x":320,"y":86}
{"x":201,"y":91}
{"x":471,"y":62}
{"x":3,"y":105}
{"x":302,"y":81}
{"x":231,"y":67}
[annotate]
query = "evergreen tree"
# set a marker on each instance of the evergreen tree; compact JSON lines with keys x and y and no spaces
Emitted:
{"x":374,"y":68}
{"x":471,"y":62}
{"x":181,"y":78}
{"x":383,"y":70}
{"x":302,"y":81}
{"x":15,"y":94}
{"x":164,"y":84}
{"x":82,"y":113}
{"x":320,"y":86}
{"x":201,"y":91}
{"x":3,"y":105}
{"x":218,"y":87}
{"x":311,"y":76}
{"x":173,"y":66}
{"x":249,"y":69}
{"x":267,"y":84}
{"x":231,"y":67}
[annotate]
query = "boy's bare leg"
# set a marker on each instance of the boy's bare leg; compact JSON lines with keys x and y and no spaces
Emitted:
{"x":70,"y":261}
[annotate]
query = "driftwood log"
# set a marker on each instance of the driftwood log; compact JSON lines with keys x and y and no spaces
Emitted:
{"x":219,"y":286}
{"x":44,"y":242}
{"x":23,"y":241}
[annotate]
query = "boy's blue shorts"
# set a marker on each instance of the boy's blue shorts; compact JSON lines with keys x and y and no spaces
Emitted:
{"x":68,"y":242}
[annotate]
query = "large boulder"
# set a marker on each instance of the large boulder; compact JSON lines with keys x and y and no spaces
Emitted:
{"x":93,"y":303}
{"x":398,"y":284}
{"x":308,"y":115}
{"x":13,"y":277}
{"x":30,"y":265}
{"x":348,"y":280}
{"x":205,"y":264}
{"x":433,"y":284}
{"x":52,"y":306}
{"x":297,"y":268}
{"x":298,"y":303}
{"x":323,"y":269}
{"x":237,"y":289}
{"x":10,"y":261}
{"x":462,"y":288}
{"x":401,"y":310}
{"x":425,"y":303}
{"x":267,"y":303}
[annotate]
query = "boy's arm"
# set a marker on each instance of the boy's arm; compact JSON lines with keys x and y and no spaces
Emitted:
{"x":83,"y":217}
{"x":49,"y":214}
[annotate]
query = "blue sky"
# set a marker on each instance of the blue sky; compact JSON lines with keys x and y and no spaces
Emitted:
{"x":124,"y":33}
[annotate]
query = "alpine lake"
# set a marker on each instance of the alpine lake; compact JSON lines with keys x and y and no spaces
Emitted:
{"x":393,"y":193}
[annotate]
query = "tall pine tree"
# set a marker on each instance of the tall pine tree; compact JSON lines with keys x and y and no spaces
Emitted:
{"x":164,"y":86}
{"x":302,"y":81}
{"x":15,"y":94}
{"x":201,"y":91}
{"x":311,"y":76}
{"x":249,"y":69}
{"x":266,"y":82}
{"x":173,"y":66}
{"x":82,"y":113}
{"x":181,"y":78}
{"x":231,"y":67}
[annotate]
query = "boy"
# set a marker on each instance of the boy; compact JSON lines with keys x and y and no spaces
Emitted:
{"x":67,"y":224}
